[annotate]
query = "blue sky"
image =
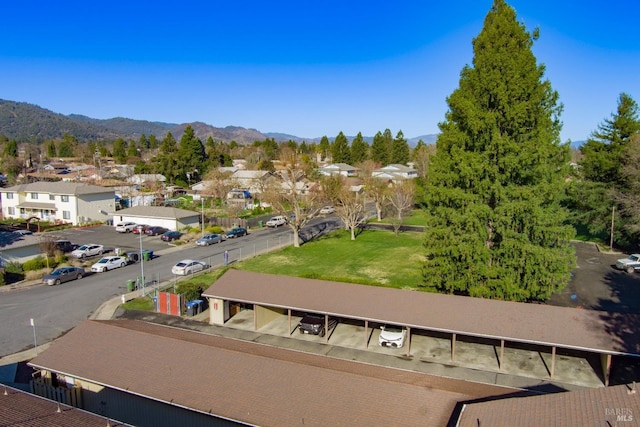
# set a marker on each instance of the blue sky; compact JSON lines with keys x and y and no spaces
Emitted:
{"x":302,"y":68}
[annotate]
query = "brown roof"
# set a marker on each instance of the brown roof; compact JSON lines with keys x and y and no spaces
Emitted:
{"x":18,"y":408}
{"x":590,"y":407}
{"x":563,"y":327}
{"x":252,"y":383}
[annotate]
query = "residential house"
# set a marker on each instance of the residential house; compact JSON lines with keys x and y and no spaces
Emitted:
{"x":143,"y":178}
{"x":64,"y":202}
{"x":339,"y":169}
{"x":395,"y":172}
{"x":168,"y":217}
{"x":252,"y":180}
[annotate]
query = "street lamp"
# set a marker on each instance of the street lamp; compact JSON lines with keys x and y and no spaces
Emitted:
{"x":141,"y":264}
{"x":35,"y":342}
{"x":202,"y":201}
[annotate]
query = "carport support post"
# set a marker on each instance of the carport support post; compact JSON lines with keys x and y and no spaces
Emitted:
{"x":553,"y":362}
{"x":501,"y":355}
{"x":453,"y":348}
{"x":606,"y":367}
{"x":366,"y":334}
{"x":408,"y":341}
{"x":289,"y":316}
{"x":255,"y":318}
{"x":326,"y":328}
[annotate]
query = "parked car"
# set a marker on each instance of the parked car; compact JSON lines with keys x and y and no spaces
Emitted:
{"x":276,"y":221}
{"x":629,"y":264}
{"x":236,"y":232}
{"x":392,"y":336}
{"x":188,"y":266}
{"x":155,"y":231}
{"x":63,"y":274}
{"x":65,"y":246}
{"x":139,"y":229}
{"x":314,"y":324}
{"x":326,"y":210}
{"x":89,"y":250}
{"x":170,"y":236}
{"x":209,"y":239}
{"x":125,"y":227}
{"x":109,"y":263}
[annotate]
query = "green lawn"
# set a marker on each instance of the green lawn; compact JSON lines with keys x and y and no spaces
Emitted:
{"x":374,"y":258}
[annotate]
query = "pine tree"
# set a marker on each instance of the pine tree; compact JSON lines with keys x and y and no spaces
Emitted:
{"x":191,"y":156}
{"x":400,"y":150}
{"x":51,"y":149}
{"x":120,"y":150}
{"x":340,"y":152}
{"x":380,"y":150}
{"x":324,"y":147}
{"x":495,"y":222}
{"x":359,"y":149}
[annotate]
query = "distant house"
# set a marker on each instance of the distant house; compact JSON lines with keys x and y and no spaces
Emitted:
{"x":68,"y":202}
{"x":395,"y":172}
{"x":339,"y":169}
{"x":239,"y":198}
{"x":142,"y":178}
{"x":252,"y":180}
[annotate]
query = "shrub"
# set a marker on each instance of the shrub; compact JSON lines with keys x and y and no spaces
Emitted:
{"x":190,"y":290}
{"x":38,"y":263}
{"x":13,"y":267}
{"x":213,"y":229}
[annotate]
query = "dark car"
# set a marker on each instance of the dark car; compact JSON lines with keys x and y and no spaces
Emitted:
{"x":65,"y":246}
{"x":314,"y":324}
{"x":63,"y":274}
{"x":170,"y":236}
{"x":236,"y":232}
{"x":155,"y":231}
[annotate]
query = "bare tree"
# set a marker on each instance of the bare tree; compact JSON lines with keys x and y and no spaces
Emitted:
{"x":421,"y":156}
{"x":402,"y":200}
{"x":348,"y":201}
{"x":218,"y":183}
{"x":292,"y":192}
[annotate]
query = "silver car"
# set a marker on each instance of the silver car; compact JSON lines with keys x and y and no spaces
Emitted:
{"x":63,"y":274}
{"x":209,"y":239}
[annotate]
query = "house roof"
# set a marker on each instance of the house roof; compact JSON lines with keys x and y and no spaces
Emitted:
{"x":157,"y":212}
{"x":249,"y":174}
{"x":18,"y":408}
{"x":250,"y":382}
{"x":339,"y":166}
{"x":38,"y":205}
{"x":589,"y":407}
{"x":71,"y":188}
{"x":589,"y":330}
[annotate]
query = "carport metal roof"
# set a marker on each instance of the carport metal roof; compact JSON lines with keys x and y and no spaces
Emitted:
{"x":572,"y":328}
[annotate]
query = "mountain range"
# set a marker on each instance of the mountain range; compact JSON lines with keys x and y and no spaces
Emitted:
{"x":25,"y":122}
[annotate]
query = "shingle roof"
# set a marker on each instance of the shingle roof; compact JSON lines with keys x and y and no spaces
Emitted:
{"x":18,"y":408}
{"x":252,"y":383}
{"x":60,"y":187}
{"x":564,"y":327}
{"x":157,"y":212}
{"x":590,"y":407}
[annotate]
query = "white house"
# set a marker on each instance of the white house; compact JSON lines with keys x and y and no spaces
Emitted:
{"x":395,"y":172}
{"x":339,"y":169}
{"x":65,"y":202}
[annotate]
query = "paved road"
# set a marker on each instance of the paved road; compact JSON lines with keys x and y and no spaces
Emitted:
{"x":57,"y":309}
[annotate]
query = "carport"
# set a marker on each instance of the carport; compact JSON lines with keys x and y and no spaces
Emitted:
{"x":594,"y":332}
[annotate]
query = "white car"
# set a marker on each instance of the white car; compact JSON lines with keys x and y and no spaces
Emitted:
{"x":188,"y":266}
{"x":327,"y":210}
{"x":630,"y":264}
{"x":276,"y":221}
{"x":85,"y":251}
{"x":392,"y":336}
{"x":125,"y":227}
{"x":108,"y":263}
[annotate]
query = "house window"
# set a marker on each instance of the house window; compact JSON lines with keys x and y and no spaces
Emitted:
{"x":9,"y":195}
{"x":34,"y":196}
{"x":52,"y":197}
{"x":66,"y":215}
{"x":11,"y":210}
{"x":64,"y":198}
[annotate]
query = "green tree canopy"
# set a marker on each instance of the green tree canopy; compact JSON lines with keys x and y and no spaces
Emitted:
{"x":495,"y":222}
{"x":340,"y":151}
{"x":51,"y":149}
{"x":120,"y":150}
{"x":400,"y":150}
{"x":67,"y":146}
{"x":359,"y":149}
{"x":324,"y":147}
{"x":380,"y":149}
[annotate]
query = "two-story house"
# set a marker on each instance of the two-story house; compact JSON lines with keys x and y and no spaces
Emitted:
{"x":66,"y":202}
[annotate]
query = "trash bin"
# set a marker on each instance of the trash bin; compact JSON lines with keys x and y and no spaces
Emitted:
{"x":198,"y":303}
{"x":147,"y":254}
{"x":191,"y":307}
{"x":261,"y":223}
{"x":130,"y":285}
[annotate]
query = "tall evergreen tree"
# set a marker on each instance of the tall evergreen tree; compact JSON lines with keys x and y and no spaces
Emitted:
{"x":10,"y":149}
{"x":191,"y":155}
{"x":340,"y":151}
{"x":495,"y":222}
{"x":51,"y":149}
{"x":380,"y":149}
{"x":153,"y":142}
{"x":120,"y":150}
{"x":67,"y":146}
{"x":359,"y":149}
{"x":324,"y":147}
{"x":604,"y":186}
{"x":132,"y":150}
{"x":400,"y":150}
